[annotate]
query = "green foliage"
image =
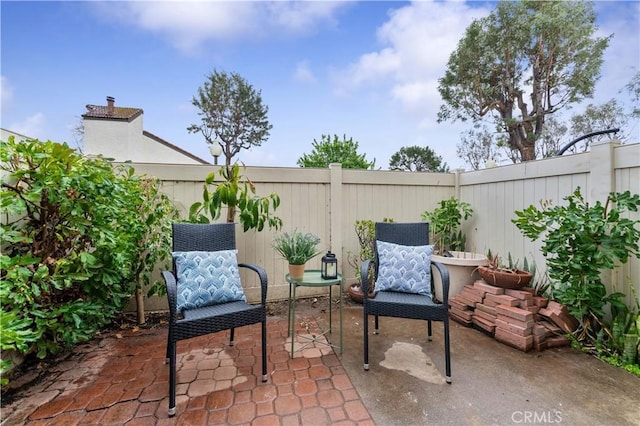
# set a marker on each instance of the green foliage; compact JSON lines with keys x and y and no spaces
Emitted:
{"x":524,"y":61}
{"x":72,"y":244}
{"x":150,"y":227}
{"x":366,"y":232}
{"x":633,"y":88}
{"x":606,"y":116}
{"x":444,"y":225}
{"x":417,"y":159}
{"x":237,"y":193}
{"x":580,"y":242}
{"x":476,"y":147}
{"x":329,"y":151}
{"x":616,"y":362}
{"x":232,"y":114}
{"x":297,"y":248}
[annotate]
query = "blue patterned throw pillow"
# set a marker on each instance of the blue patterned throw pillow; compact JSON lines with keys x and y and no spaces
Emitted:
{"x":405,"y":269}
{"x":207,"y":278}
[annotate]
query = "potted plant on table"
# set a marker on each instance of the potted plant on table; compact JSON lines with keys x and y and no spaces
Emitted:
{"x":297,"y":248}
{"x":449,"y":245}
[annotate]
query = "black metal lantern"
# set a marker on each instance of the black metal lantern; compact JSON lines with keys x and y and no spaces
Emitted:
{"x":329,"y":269}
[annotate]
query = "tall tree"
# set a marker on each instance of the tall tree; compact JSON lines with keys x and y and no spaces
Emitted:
{"x":231,"y":113}
{"x":633,"y":88}
{"x":552,"y":139}
{"x":601,"y":117}
{"x":476,"y":147}
{"x":417,"y":159}
{"x":524,"y":61}
{"x":329,"y":151}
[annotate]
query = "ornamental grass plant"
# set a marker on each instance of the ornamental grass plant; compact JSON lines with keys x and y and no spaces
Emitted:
{"x":297,"y":247}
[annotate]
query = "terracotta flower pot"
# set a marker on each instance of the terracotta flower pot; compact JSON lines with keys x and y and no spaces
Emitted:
{"x":296,"y":272}
{"x":505,"y":278}
{"x":355,"y":292}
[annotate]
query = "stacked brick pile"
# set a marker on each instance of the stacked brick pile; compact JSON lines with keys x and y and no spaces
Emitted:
{"x":517,"y":318}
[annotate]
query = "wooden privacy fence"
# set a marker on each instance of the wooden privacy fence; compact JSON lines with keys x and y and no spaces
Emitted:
{"x":327,"y":202}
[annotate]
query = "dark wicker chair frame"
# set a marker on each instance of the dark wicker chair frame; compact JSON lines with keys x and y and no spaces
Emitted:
{"x":209,"y":319}
{"x":404,"y":305}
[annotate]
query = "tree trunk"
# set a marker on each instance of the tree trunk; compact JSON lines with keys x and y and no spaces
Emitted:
{"x":140,"y":306}
{"x":528,"y":152}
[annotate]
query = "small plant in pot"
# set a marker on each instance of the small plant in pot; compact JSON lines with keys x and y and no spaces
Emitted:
{"x":297,"y":248}
{"x":449,"y":245}
{"x":505,"y":276}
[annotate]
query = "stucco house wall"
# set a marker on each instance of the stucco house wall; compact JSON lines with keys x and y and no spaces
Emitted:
{"x":118,"y":133}
{"x":5,"y":133}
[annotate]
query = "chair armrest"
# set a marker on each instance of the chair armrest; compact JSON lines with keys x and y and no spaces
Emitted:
{"x":262,"y":274}
{"x":172,"y":294}
{"x":444,"y":274}
{"x":364,"y":276}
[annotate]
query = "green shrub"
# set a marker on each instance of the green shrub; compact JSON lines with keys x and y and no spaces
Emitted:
{"x":444,"y":225}
{"x":75,"y":233}
{"x":580,"y":242}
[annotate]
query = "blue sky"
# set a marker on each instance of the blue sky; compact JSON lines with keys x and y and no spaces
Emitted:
{"x":365,"y":69}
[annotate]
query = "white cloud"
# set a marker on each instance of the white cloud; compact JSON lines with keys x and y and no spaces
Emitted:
{"x":299,"y":17}
{"x":303,"y":73}
{"x":187,"y":25}
{"x":6,"y":92}
{"x":32,"y":126}
{"x":416,"y":43}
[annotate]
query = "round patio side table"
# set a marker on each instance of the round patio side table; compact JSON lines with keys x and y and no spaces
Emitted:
{"x":312,"y":278}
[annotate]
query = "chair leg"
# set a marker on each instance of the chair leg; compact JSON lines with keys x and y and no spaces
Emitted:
{"x":376,"y":328}
{"x":171,"y":349}
{"x":264,"y":350}
{"x":232,"y":338}
{"x":366,"y":340}
{"x":168,"y":357}
{"x":447,"y":352}
{"x":429,"y":332}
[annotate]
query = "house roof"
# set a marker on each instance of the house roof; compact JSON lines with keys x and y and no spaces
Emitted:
{"x":112,"y":113}
{"x":174,"y":147}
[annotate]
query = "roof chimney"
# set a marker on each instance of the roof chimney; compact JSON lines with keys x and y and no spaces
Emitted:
{"x":110,"y":101}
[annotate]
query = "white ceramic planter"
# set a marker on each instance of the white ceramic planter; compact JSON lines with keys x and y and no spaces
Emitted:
{"x":462,"y":271}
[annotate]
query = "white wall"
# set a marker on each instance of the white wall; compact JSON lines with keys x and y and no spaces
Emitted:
{"x":124,"y":141}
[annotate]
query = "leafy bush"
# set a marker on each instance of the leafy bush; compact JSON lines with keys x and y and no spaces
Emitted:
{"x":238,"y":194}
{"x":580,"y":242}
{"x":444,"y":225}
{"x":75,"y":233}
{"x":366,"y":232}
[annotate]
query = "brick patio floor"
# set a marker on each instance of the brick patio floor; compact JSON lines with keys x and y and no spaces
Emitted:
{"x":122,"y":379}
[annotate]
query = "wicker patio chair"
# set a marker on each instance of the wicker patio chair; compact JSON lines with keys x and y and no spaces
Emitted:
{"x":188,"y":323}
{"x":402,"y":304}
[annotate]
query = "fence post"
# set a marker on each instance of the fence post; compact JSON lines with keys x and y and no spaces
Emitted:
{"x":602,"y":176}
{"x":456,"y":189}
{"x":335,"y":214}
{"x":602,"y":179}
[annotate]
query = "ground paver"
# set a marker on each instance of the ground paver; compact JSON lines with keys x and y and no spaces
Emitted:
{"x":121,"y":378}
